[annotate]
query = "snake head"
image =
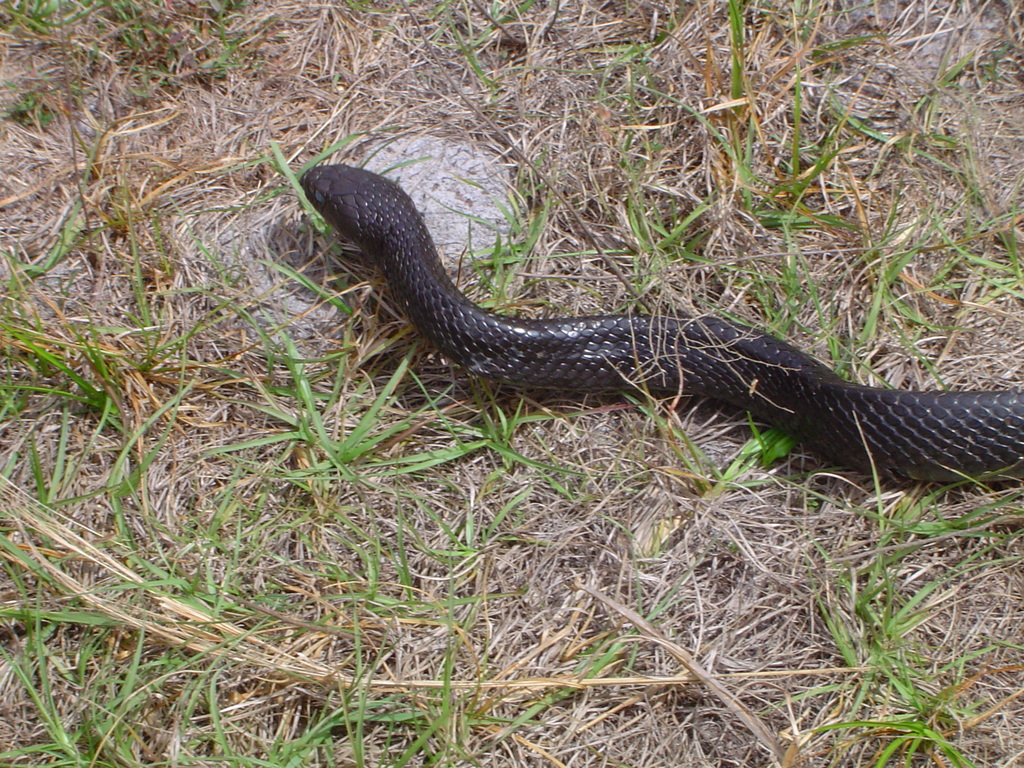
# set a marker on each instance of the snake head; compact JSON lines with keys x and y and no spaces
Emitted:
{"x":359,"y":204}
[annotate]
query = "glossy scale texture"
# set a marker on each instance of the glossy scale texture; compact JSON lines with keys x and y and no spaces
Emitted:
{"x":927,"y":435}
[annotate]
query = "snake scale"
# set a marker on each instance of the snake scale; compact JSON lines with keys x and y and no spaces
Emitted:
{"x":926,"y":435}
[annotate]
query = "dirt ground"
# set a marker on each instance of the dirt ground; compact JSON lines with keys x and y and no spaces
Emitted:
{"x":250,"y":518}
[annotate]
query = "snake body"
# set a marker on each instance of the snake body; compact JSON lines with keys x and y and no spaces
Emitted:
{"x":927,"y":435}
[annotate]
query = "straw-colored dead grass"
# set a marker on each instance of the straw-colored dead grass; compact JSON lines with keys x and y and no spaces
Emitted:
{"x":243,"y":525}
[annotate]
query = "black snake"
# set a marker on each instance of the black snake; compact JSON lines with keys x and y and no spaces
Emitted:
{"x":928,"y":435}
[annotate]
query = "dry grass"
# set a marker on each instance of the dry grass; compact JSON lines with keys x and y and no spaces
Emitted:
{"x":248,"y":524}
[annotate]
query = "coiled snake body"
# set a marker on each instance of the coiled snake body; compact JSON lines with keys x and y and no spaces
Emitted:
{"x":928,"y":435}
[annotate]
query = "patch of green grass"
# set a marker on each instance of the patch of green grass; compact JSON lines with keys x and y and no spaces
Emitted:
{"x":163,"y":45}
{"x":160,"y":41}
{"x":46,"y":16}
{"x":876,"y":626}
{"x":31,"y":108}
